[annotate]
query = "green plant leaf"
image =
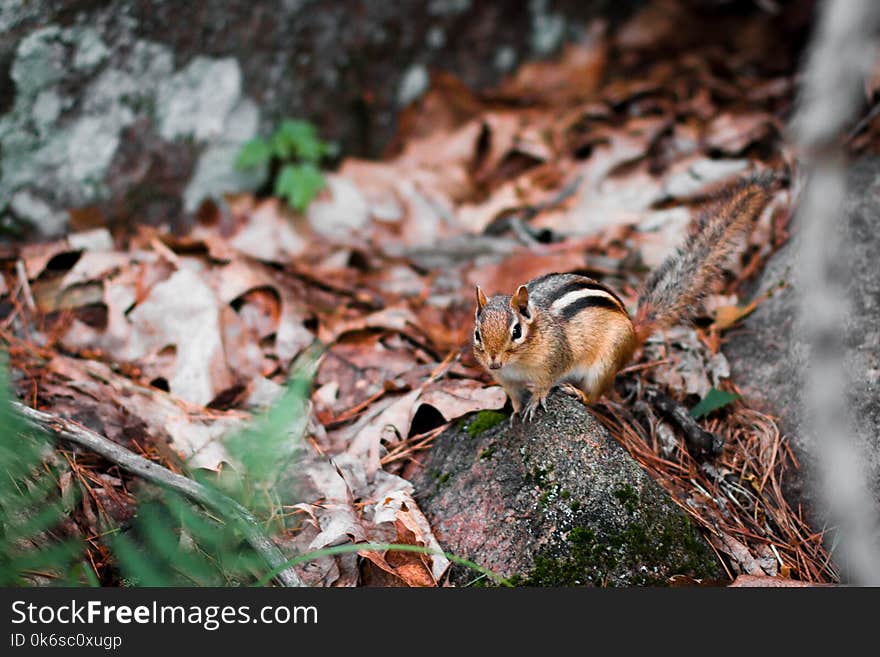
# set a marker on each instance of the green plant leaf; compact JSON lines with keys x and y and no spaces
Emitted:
{"x":298,"y":184}
{"x":298,"y":139}
{"x":254,"y":153}
{"x":173,"y":542}
{"x":713,"y":400}
{"x":268,"y":444}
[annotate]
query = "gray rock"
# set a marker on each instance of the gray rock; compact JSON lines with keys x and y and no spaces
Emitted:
{"x":555,"y":502}
{"x":138,"y":109}
{"x":62,"y":141}
{"x":768,"y":355}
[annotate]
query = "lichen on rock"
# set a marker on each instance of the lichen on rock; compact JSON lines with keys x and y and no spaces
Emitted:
{"x":72,"y":104}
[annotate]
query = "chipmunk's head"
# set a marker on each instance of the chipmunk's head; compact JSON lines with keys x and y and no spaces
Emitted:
{"x":502,"y":327}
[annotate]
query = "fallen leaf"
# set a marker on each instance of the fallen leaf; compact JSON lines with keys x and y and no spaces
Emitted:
{"x":738,"y":552}
{"x":183,"y":312}
{"x":732,"y":133}
{"x":340,"y":211}
{"x":446,"y":104}
{"x":398,"y":318}
{"x":573,"y":76}
{"x":37,"y":256}
{"x":389,"y":426}
{"x":193,"y":433}
{"x":269,"y":234}
{"x":456,"y":397}
{"x":727,"y":316}
{"x":521,"y":266}
{"x":766,"y":581}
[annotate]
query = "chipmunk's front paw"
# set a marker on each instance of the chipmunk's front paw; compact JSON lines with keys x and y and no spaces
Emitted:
{"x":531,"y":409}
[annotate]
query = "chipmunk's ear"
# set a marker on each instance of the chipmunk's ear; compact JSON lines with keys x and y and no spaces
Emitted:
{"x":520,"y":303}
{"x":481,"y":299}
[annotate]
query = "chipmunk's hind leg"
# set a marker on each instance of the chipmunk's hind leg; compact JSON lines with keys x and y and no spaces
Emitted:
{"x":573,"y":391}
{"x":588,"y":383}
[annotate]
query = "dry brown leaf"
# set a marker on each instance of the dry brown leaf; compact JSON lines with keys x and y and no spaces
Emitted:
{"x":268,"y":234}
{"x":727,"y":316}
{"x":475,"y":217}
{"x":733,"y":133}
{"x":183,"y":312}
{"x":260,"y":310}
{"x":573,"y":76}
{"x":360,"y":366}
{"x":96,"y":239}
{"x":748,"y":581}
{"x":742,"y":558}
{"x":600,"y":202}
{"x":377,"y":183}
{"x":51,"y":296}
{"x":447,"y":104}
{"x":522,"y":266}
{"x":397,"y":518}
{"x":340,"y":211}
{"x":96,"y":265}
{"x":193,"y":433}
{"x":501,"y":136}
{"x":388,"y":426}
{"x":241,"y":345}
{"x":37,"y":256}
{"x":657,"y":22}
{"x":456,"y":397}
{"x":447,"y":328}
{"x":398,"y":318}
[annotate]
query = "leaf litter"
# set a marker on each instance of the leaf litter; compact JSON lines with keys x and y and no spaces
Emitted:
{"x":594,"y":162}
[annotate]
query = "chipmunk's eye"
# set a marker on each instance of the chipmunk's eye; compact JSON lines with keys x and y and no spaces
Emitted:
{"x":477,"y":337}
{"x":515,"y":332}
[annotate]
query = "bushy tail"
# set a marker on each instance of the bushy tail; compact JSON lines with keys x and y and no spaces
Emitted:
{"x":675,"y":289}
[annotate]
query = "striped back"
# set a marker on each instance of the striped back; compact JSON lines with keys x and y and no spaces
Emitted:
{"x":568,"y":294}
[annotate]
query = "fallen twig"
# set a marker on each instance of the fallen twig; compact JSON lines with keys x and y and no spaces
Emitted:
{"x":229,"y":508}
{"x":25,"y":286}
{"x":697,"y":438}
{"x":518,"y":221}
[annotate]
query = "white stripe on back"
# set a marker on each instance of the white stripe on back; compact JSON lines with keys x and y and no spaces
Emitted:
{"x":563,"y":302}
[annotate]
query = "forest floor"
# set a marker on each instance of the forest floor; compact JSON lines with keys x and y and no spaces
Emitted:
{"x":595,"y":162}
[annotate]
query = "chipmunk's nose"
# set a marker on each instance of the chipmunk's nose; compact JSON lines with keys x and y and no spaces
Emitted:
{"x":495,"y":365}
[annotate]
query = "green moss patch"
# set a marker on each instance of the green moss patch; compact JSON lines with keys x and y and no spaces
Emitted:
{"x":483,"y":421}
{"x":654,"y":545}
{"x":628,"y":497}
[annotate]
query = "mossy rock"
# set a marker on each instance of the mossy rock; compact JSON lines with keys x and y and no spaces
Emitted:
{"x":557,"y":503}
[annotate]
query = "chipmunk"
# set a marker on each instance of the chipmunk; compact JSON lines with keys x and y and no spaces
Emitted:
{"x":575,"y":332}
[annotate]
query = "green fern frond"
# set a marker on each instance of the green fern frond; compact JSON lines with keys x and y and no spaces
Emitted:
{"x":30,"y":505}
{"x":174,"y":543}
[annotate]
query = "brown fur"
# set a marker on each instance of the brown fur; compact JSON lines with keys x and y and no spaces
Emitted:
{"x":583,"y":341}
{"x":675,"y":290}
{"x":597,"y":340}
